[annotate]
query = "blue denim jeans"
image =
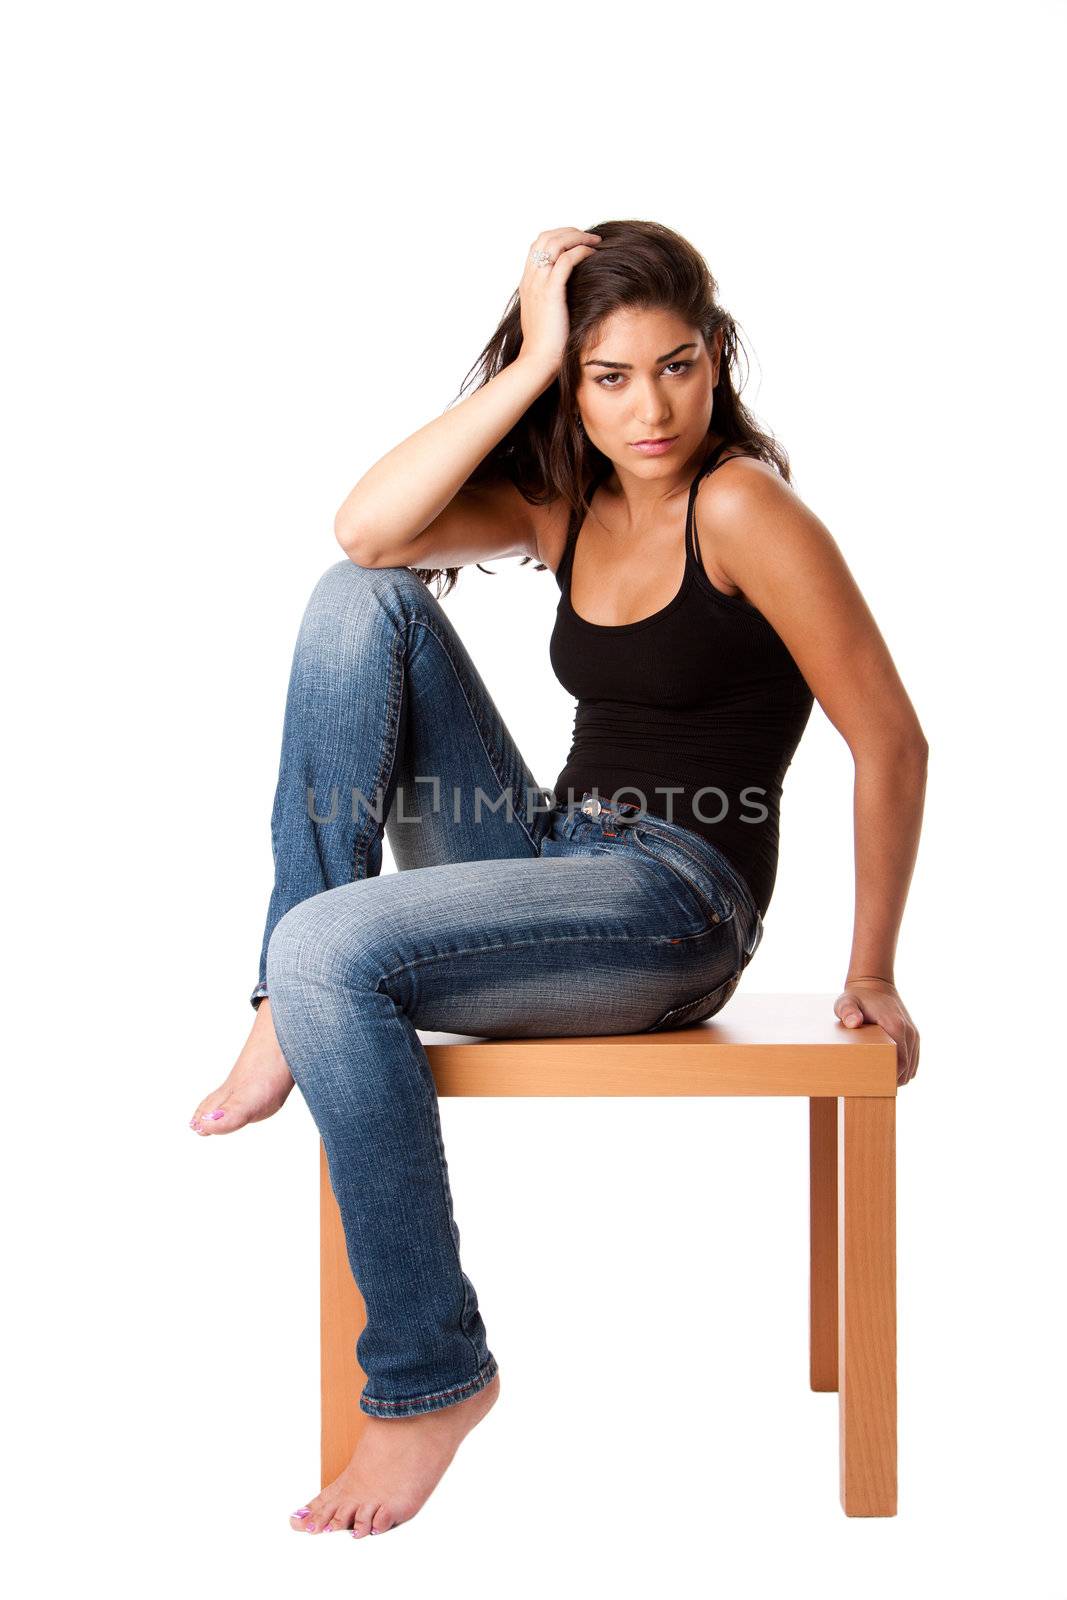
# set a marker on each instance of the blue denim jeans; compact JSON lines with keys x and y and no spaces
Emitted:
{"x":513,"y":914}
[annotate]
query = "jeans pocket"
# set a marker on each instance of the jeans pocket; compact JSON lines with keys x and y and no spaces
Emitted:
{"x":695,"y":884}
{"x":698,"y":1010}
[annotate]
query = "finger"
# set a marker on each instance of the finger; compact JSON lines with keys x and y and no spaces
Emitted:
{"x":909,"y":1061}
{"x":567,"y":259}
{"x":849,"y":1013}
{"x":556,"y":242}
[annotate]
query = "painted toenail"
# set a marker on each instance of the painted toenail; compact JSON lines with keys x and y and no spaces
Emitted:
{"x":305,"y":1511}
{"x":215,"y":1115}
{"x":376,"y":1530}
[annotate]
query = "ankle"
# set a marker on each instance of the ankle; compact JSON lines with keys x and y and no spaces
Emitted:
{"x":263,"y":1021}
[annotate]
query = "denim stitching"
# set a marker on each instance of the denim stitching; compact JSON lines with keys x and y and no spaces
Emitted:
{"x":561,"y":938}
{"x":711,"y":910}
{"x":392,"y":721}
{"x":699,"y":1001}
{"x":435,"y":1115}
{"x":481,"y":1379}
{"x":421,"y":622}
{"x":734,"y":882}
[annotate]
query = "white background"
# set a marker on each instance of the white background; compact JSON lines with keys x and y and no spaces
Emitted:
{"x":250,"y":248}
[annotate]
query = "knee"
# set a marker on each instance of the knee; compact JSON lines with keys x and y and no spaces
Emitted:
{"x":347,"y":600}
{"x":344,"y":579}
{"x":300,"y":950}
{"x":324,"y":942}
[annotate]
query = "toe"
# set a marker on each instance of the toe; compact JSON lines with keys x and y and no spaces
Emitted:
{"x":364,"y":1516}
{"x":384,"y":1519}
{"x":321,"y":1518}
{"x":299,"y":1519}
{"x":218,"y":1114}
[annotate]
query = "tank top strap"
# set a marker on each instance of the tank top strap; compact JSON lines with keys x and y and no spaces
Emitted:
{"x":692,"y":549}
{"x":568,"y":551}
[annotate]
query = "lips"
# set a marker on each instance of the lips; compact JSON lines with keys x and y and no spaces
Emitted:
{"x":654,"y":447}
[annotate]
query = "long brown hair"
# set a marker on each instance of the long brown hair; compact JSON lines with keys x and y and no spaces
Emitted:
{"x":546,"y":455}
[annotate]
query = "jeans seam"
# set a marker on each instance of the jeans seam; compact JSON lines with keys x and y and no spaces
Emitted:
{"x":389,"y":739}
{"x":725,"y":868}
{"x":556,"y":938}
{"x":712,"y":911}
{"x":734,"y":979}
{"x":421,"y":622}
{"x":482,"y":1378}
{"x":450,"y":1210}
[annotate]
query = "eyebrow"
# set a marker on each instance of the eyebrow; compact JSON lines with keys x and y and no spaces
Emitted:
{"x":627,"y":366}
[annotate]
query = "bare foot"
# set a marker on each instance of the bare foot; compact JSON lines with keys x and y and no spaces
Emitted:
{"x":397,"y":1464}
{"x":256,"y":1088}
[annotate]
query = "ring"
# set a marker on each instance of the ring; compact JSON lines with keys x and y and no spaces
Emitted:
{"x":540,"y":258}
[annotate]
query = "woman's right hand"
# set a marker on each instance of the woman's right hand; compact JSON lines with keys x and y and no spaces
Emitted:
{"x":542,"y":295}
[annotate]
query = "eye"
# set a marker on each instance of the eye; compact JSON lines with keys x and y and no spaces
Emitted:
{"x":604,"y":384}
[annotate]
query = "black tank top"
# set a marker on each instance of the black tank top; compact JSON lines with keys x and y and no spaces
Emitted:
{"x":701,"y":696}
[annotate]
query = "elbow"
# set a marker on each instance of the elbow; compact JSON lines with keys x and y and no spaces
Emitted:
{"x":906,"y":746}
{"x":352,"y":542}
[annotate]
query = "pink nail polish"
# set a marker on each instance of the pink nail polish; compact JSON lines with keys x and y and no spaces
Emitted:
{"x":215,"y":1115}
{"x":305,"y":1511}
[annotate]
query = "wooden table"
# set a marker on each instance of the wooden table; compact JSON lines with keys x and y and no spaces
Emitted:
{"x":761,"y":1044}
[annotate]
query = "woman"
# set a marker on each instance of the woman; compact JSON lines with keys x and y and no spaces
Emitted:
{"x":702,"y":606}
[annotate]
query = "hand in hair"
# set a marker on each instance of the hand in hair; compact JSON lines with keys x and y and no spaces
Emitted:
{"x":543,"y":311}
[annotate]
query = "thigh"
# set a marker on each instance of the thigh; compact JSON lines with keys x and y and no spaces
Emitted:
{"x":584,"y":941}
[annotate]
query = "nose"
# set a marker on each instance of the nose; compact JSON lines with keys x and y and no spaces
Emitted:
{"x":656,"y":412}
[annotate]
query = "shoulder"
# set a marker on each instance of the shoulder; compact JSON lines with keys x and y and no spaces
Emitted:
{"x":740,"y":502}
{"x":738,"y":480}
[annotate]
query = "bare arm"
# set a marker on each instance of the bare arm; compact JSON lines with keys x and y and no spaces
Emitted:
{"x":410,"y":486}
{"x":408,"y":490}
{"x":785,"y":562}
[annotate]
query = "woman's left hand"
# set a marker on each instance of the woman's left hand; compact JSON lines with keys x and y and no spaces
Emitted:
{"x":875,"y":1000}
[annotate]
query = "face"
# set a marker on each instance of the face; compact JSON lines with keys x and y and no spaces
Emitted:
{"x":649,"y":376}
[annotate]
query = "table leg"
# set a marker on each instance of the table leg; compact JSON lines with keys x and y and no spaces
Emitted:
{"x":822,"y":1212}
{"x":342,"y":1319}
{"x":867,"y":1334}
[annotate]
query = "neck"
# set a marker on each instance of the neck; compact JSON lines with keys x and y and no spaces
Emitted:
{"x":645,"y":498}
